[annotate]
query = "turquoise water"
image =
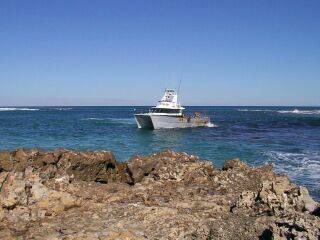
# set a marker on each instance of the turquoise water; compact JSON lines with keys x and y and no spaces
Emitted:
{"x":287,"y":137}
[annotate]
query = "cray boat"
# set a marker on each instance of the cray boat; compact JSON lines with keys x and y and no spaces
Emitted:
{"x":168,"y":113}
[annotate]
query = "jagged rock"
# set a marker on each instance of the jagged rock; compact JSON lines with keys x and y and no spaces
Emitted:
{"x":97,"y":166}
{"x":234,"y":163}
{"x":202,"y":232}
{"x":308,"y":203}
{"x":66,"y":194}
{"x":295,"y":228}
{"x":247,"y":199}
{"x":5,"y":161}
{"x":168,"y":165}
{"x":86,"y":166}
{"x":13,"y":191}
{"x":316,"y":212}
{"x":3,"y":176}
{"x":123,"y":235}
{"x":57,"y":202}
{"x":2,"y":214}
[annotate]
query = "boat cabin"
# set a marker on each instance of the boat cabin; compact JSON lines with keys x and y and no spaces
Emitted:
{"x":168,"y":103}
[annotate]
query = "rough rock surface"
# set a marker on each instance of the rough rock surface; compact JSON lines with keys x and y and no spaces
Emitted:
{"x":89,"y":195}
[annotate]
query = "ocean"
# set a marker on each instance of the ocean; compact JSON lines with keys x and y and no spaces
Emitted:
{"x":286,"y":137}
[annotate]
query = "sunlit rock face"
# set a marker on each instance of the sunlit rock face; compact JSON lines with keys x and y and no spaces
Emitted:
{"x":66,"y":194}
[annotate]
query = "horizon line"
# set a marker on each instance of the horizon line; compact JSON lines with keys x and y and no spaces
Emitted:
{"x":13,"y":106}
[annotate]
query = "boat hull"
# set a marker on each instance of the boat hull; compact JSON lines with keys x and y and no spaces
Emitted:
{"x":144,"y":121}
{"x":178,"y":122}
{"x":150,"y":121}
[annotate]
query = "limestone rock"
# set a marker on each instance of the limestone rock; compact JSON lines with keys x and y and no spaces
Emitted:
{"x":247,"y":199}
{"x":308,"y":203}
{"x":13,"y":191}
{"x":97,"y":166}
{"x":6,"y":163}
{"x":234,"y":163}
{"x":66,"y":194}
{"x":168,"y":165}
{"x":86,"y":166}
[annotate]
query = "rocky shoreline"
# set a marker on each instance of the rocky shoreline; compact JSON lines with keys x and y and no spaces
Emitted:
{"x":66,"y":194}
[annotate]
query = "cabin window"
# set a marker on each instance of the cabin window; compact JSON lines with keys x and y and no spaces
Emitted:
{"x":165,"y":110}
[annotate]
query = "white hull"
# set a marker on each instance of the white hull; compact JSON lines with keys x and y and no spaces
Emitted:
{"x":143,"y":121}
{"x":152,"y":121}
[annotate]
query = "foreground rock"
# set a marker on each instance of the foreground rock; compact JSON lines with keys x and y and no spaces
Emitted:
{"x":89,"y":195}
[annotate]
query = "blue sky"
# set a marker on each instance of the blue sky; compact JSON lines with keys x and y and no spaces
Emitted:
{"x":125,"y":52}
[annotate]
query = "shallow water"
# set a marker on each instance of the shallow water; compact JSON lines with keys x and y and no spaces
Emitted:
{"x":287,"y":137}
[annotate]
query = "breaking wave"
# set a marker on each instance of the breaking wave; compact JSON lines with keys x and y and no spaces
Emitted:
{"x":303,"y":168}
{"x":297,"y":111}
{"x":62,"y":109}
{"x":18,"y":109}
{"x":254,"y":110}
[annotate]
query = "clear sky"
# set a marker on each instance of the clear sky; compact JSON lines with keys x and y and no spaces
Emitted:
{"x":239,"y":52}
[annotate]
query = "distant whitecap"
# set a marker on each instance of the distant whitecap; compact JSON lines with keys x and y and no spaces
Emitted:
{"x":18,"y":109}
{"x":62,"y":109}
{"x":297,"y":111}
{"x":255,"y":110}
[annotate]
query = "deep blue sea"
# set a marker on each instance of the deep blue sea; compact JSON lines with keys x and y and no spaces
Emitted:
{"x":287,"y":137}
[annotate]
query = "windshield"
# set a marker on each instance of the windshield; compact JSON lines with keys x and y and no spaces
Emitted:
{"x":165,"y":110}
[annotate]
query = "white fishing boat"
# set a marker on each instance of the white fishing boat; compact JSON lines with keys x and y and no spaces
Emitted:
{"x":168,"y":113}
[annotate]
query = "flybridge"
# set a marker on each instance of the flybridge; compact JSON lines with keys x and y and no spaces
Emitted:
{"x":169,"y":100}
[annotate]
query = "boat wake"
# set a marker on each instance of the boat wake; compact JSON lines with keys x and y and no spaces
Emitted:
{"x":95,"y":119}
{"x":112,"y":120}
{"x":18,"y":109}
{"x":211,"y":125}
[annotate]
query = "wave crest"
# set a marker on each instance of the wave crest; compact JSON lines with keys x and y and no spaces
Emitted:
{"x":297,"y":111}
{"x":62,"y":109}
{"x":298,"y":166}
{"x":255,"y":110}
{"x":18,"y":109}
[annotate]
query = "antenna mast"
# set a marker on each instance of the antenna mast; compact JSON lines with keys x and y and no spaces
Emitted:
{"x":179,"y":84}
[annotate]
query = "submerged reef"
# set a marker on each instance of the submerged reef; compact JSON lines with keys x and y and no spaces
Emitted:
{"x":65,"y":194}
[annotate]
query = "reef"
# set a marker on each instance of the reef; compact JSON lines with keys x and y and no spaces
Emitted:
{"x":65,"y":194}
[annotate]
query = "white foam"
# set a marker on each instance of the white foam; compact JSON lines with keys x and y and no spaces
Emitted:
{"x":255,"y":110}
{"x":119,"y":120}
{"x":297,"y":111}
{"x":62,"y":109}
{"x":305,"y":165}
{"x":210,"y":125}
{"x":97,"y":119}
{"x":18,"y":109}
